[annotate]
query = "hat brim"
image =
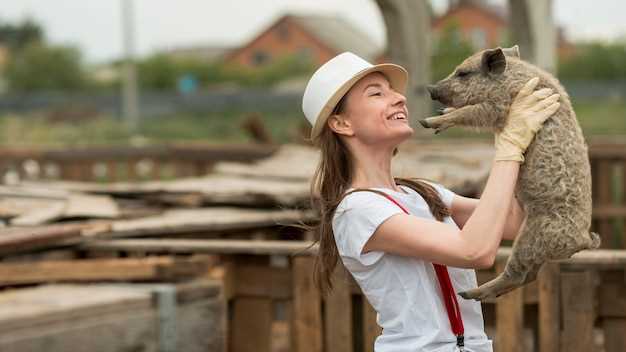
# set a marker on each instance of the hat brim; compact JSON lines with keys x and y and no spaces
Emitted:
{"x":396,"y":74}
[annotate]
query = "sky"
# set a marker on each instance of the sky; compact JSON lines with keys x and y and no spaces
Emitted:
{"x":95,"y":25}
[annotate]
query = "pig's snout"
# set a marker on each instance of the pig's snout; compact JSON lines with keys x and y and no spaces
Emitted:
{"x":432,"y":89}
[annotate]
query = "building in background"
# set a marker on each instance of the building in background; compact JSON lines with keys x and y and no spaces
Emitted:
{"x":321,"y":37}
{"x":485,"y":25}
{"x":314,"y":37}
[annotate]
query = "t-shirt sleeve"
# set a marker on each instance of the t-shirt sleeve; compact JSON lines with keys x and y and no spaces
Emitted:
{"x":445,"y":194}
{"x":356,"y":219}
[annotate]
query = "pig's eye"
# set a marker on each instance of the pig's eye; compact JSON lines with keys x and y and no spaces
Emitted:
{"x":462,"y":73}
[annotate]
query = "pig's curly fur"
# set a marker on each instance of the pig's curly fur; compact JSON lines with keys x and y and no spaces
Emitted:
{"x":554,"y":184}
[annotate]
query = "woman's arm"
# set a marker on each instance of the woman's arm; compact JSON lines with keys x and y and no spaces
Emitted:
{"x":474,"y":246}
{"x":463,"y":207}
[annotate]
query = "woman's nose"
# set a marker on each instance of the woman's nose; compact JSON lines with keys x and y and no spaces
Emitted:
{"x":399,"y":98}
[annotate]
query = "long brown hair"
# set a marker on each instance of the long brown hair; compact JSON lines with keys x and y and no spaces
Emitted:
{"x":330,"y":181}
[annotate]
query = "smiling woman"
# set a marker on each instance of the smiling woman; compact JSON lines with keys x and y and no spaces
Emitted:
{"x":410,"y":244}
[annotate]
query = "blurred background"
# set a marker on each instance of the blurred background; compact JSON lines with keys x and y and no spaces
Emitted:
{"x":199,"y":70}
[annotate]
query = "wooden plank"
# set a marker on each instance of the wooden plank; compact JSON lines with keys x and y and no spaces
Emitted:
{"x":509,"y":319}
{"x":213,"y":219}
{"x":577,"y":299}
{"x":307,"y":320}
{"x":549,"y":308}
{"x":119,"y":269}
{"x":371,"y":329}
{"x":15,"y":240}
{"x":216,"y":246}
{"x":604,"y":199}
{"x":338,"y":314}
{"x":251,"y":325}
{"x":612,"y":295}
{"x":598,"y":259}
{"x":263,"y":281}
{"x":614,"y":334}
{"x":603,"y":212}
{"x":623,"y":216}
{"x":112,"y":171}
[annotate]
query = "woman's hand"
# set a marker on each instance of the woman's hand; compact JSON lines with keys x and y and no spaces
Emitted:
{"x":527,"y":114}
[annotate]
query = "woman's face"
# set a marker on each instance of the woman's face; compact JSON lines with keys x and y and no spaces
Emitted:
{"x":373,"y":112}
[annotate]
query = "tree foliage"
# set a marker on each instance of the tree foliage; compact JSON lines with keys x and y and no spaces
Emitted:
{"x":38,"y":67}
{"x":595,"y":61}
{"x":16,"y":36}
{"x":451,"y":49}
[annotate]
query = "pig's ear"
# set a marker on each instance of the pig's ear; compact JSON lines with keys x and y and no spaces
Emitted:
{"x":512,"y":51}
{"x":493,"y":61}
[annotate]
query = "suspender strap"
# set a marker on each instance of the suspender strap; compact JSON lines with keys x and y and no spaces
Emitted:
{"x":449,"y":297}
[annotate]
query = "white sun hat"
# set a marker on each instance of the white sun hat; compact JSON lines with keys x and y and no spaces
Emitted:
{"x":334,"y":78}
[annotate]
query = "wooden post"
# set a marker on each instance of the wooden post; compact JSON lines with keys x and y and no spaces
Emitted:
{"x":371,"y":330}
{"x":578,"y":302}
{"x":307,"y":319}
{"x":509,"y":318}
{"x":251,"y":325}
{"x":549,"y":307}
{"x":604,"y":183}
{"x":338,"y":314}
{"x":613,"y":311}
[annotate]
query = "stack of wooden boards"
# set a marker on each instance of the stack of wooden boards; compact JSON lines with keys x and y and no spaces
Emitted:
{"x":64,"y":232}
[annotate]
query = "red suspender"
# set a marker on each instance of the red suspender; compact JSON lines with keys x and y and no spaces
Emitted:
{"x":449,"y":297}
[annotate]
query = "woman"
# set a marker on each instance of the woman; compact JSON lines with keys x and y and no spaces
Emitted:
{"x":389,"y":238}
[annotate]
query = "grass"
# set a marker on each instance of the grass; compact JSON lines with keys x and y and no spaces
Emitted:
{"x":606,"y":118}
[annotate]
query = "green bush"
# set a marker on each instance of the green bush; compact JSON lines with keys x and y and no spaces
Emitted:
{"x":41,"y":67}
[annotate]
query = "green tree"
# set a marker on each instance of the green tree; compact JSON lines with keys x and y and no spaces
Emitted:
{"x":451,"y":49}
{"x":40,"y":67}
{"x":595,"y":61}
{"x":17,"y":36}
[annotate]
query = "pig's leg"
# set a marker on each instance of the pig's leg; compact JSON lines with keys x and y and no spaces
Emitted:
{"x":481,"y":116}
{"x":522,"y":267}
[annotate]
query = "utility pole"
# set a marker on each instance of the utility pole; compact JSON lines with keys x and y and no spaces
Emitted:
{"x":130,"y":94}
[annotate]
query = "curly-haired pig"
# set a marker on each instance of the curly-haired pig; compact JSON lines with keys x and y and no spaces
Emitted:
{"x":554,"y":183}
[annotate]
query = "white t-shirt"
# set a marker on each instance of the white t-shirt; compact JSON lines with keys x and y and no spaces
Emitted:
{"x":404,"y":290}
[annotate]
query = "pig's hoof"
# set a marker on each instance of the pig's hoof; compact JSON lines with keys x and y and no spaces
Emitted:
{"x":472,"y":294}
{"x":424,"y":123}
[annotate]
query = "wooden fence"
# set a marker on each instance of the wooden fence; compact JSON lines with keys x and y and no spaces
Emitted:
{"x":608,"y":165}
{"x":608,"y":168}
{"x":575,"y":305}
{"x":124,"y":163}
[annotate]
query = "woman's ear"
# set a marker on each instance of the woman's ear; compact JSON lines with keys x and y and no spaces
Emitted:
{"x":340,"y":124}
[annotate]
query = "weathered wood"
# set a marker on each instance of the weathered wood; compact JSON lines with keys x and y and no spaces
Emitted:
{"x":307,"y":315}
{"x":251,"y":325}
{"x":509,"y":318}
{"x":119,"y":269}
{"x":338,"y":314}
{"x":598,"y":259}
{"x":613,"y":295}
{"x":614,"y":334}
{"x":214,"y":219}
{"x":30,"y":206}
{"x":259,"y":281}
{"x":605,"y":199}
{"x":216,"y":246}
{"x":18,"y":239}
{"x":371,"y":329}
{"x":58,"y":318}
{"x":578,"y":300}
{"x":549,"y":308}
{"x":213,"y":188}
